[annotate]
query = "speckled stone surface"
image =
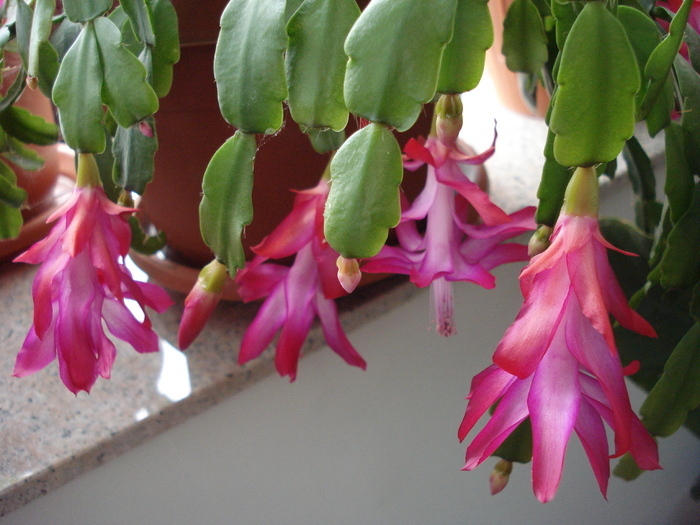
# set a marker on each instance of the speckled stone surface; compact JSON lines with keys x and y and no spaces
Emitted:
{"x":48,"y":436}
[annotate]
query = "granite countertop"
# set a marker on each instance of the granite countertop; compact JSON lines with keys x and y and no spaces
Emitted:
{"x":49,"y":436}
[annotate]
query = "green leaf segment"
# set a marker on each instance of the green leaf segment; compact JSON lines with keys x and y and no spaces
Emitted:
{"x":394,"y":51}
{"x":364,"y":199}
{"x":98,"y":70}
{"x":227,"y":204}
{"x":594,"y":112}
{"x":249,"y":65}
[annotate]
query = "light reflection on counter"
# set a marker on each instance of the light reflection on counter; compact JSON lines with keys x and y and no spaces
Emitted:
{"x":174,"y":379}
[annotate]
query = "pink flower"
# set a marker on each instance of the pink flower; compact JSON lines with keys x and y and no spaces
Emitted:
{"x":575,"y":265}
{"x":297,"y":294}
{"x":557,"y":363}
{"x":201,"y":302}
{"x":451,"y":249}
{"x":81,"y":284}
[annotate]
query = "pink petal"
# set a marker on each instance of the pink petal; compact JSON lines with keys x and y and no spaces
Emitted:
{"x":267,"y":322}
{"x":258,"y":281}
{"x":295,"y":230}
{"x":326,"y":258}
{"x":511,"y":411}
{"x":123,"y":324}
{"x":528,"y":338}
{"x":333,"y":332}
{"x":487,"y":387}
{"x":643,"y":448}
{"x":300,"y":289}
{"x":422,"y":204}
{"x":584,"y":280}
{"x":79,"y":310}
{"x":615,"y":299}
{"x":451,"y":175}
{"x":591,"y":431}
{"x":391,"y":259}
{"x":503,"y":254}
{"x":416,"y":151}
{"x":588,"y":346}
{"x":409,"y":237}
{"x":42,"y":290}
{"x":553,"y":403}
{"x":35,"y":353}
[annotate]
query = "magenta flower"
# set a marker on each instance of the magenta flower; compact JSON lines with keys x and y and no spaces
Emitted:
{"x":557,"y":363}
{"x":451,"y":249}
{"x":82,"y":283}
{"x":298,"y":294}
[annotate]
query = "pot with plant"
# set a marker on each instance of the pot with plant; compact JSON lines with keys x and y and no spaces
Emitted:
{"x":560,"y":367}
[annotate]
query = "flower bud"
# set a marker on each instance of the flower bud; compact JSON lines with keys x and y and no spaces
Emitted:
{"x":539,"y":241}
{"x":349,"y":273}
{"x":146,"y":129}
{"x":200,"y":302}
{"x":448,"y":124}
{"x":500,"y":475}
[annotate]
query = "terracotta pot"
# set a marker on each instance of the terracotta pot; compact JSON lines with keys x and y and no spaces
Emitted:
{"x":506,"y":82}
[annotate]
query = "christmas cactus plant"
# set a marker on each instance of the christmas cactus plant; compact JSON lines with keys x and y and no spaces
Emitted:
{"x":603,"y":298}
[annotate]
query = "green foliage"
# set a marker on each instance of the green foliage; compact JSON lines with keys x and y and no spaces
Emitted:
{"x":133,"y":157}
{"x":680,"y":265}
{"x":139,"y":14}
{"x":689,"y":88}
{"x":678,"y":390}
{"x":85,"y":10}
{"x":679,"y":182}
{"x":77,"y":94}
{"x":249,"y":65}
{"x":316,"y":93}
{"x":394,"y":52}
{"x":644,"y":37}
{"x":10,"y":194}
{"x":21,"y":124}
{"x":143,"y":243}
{"x":524,"y":38}
{"x":11,"y":198}
{"x":593,"y":112}
{"x":661,"y":60}
{"x":463,"y":59}
{"x":166,"y":51}
{"x":326,"y":140}
{"x":39,"y":35}
{"x":364,"y":198}
{"x":227,"y":203}
{"x":124,"y":88}
{"x":517,"y":447}
{"x":553,"y":182}
{"x":641,"y":174}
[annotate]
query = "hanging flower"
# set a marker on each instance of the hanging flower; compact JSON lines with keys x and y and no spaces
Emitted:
{"x":295,"y":295}
{"x":451,"y":249}
{"x":557,"y":364}
{"x":82,"y":283}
